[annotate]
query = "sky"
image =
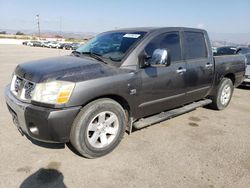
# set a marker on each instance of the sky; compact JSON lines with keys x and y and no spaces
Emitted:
{"x":217,"y":16}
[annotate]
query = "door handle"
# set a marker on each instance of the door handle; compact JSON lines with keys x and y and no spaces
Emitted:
{"x":208,"y":65}
{"x":181,"y":70}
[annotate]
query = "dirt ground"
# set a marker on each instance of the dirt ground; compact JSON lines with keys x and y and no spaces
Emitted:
{"x":203,"y":148}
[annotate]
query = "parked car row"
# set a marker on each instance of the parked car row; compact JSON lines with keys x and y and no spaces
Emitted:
{"x":230,"y":50}
{"x":52,"y":44}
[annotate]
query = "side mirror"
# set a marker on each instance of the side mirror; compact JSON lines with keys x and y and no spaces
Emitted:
{"x":160,"y":57}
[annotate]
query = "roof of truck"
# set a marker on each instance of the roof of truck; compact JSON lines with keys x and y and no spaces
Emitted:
{"x":151,"y":29}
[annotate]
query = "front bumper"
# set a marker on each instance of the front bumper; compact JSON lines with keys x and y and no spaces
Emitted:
{"x":40,"y":123}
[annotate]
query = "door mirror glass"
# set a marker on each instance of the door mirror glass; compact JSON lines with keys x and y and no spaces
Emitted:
{"x":159,"y":57}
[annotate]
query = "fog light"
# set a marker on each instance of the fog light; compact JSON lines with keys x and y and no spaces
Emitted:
{"x":33,"y":129}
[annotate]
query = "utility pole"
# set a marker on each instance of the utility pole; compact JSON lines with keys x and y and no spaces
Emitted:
{"x":38,"y":25}
{"x":60,"y":27}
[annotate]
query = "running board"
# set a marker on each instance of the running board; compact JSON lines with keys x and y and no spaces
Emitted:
{"x":145,"y":122}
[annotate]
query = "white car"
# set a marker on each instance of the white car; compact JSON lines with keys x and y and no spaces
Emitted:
{"x":52,"y":44}
{"x":30,"y":43}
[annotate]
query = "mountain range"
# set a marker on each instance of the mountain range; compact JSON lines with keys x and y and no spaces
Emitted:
{"x":218,"y":39}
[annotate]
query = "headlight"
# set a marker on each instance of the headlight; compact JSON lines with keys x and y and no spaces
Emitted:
{"x":55,"y":92}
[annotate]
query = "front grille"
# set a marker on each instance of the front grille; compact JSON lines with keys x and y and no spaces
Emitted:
{"x":22,"y":88}
{"x":18,"y":84}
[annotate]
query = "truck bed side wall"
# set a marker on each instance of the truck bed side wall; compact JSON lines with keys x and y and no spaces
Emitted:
{"x":232,"y":66}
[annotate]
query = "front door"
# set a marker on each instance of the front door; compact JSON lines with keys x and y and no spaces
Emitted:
{"x":162,"y":87}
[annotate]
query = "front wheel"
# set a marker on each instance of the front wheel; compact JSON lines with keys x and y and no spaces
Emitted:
{"x":222,"y":95}
{"x":98,"y":128}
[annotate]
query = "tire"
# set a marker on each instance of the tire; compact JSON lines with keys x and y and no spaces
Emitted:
{"x":225,"y":89}
{"x":90,"y":135}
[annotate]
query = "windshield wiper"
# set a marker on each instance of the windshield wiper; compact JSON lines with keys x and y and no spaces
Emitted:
{"x":94,"y":55}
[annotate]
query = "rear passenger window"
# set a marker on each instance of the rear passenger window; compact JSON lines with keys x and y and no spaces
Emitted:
{"x":170,"y":41}
{"x":195,"y":45}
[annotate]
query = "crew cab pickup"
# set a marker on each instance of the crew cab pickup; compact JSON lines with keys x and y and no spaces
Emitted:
{"x":120,"y":80}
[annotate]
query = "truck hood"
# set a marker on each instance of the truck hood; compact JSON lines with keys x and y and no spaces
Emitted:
{"x":68,"y":68}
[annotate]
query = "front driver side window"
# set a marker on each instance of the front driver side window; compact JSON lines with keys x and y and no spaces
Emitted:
{"x":170,"y":41}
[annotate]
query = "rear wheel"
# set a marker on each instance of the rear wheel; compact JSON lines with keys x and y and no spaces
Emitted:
{"x":223,"y":94}
{"x":98,"y":128}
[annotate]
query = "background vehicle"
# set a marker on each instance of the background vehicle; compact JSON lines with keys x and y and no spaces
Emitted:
{"x":246,"y":81}
{"x":52,"y":44}
{"x":25,"y":42}
{"x":225,"y":50}
{"x":37,"y":44}
{"x":30,"y":43}
{"x":214,"y":50}
{"x":140,"y":76}
{"x":62,"y":45}
{"x":243,"y":50}
{"x":71,"y":46}
{"x":45,"y":43}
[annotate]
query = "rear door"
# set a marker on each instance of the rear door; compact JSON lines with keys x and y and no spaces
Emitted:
{"x":162,"y":87}
{"x":200,"y":66}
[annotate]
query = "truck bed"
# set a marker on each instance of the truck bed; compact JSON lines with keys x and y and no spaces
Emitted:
{"x":227,"y":64}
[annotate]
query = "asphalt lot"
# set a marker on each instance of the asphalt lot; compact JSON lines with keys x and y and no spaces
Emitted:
{"x":203,"y":148}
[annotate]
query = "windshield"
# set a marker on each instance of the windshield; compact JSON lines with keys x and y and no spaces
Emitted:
{"x":112,"y":45}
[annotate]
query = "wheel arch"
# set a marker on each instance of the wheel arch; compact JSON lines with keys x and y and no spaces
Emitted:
{"x":119,"y":99}
{"x":231,"y":76}
{"x":218,"y":79}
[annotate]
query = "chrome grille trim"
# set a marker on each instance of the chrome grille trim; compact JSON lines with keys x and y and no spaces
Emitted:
{"x":22,"y":88}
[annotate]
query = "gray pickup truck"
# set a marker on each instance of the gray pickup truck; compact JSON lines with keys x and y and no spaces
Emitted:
{"x":120,"y":80}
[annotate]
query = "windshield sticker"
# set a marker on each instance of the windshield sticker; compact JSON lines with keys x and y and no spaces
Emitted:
{"x":129,"y":35}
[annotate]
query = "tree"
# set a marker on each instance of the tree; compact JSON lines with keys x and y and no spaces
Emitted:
{"x":3,"y":32}
{"x":19,"y":33}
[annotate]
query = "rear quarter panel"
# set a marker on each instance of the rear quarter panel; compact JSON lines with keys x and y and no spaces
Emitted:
{"x":229,"y":64}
